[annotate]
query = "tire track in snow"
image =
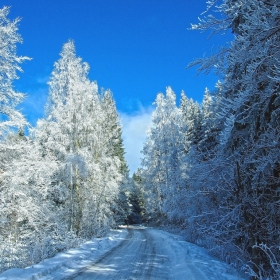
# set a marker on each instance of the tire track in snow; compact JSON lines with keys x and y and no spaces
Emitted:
{"x":152,"y":254}
{"x":134,"y":258}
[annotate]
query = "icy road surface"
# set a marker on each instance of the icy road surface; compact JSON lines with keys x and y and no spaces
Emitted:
{"x":153,"y":254}
{"x":141,"y":253}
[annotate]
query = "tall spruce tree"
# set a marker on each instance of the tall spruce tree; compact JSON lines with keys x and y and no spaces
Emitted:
{"x":82,"y":135}
{"x":10,"y":64}
{"x":161,"y":163}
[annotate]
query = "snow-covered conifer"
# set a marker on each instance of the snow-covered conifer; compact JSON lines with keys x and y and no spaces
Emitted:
{"x":83,"y":133}
{"x":161,"y":163}
{"x":249,"y":106}
{"x":10,"y":64}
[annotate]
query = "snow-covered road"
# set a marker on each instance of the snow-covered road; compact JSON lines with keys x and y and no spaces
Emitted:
{"x":142,"y":253}
{"x":153,"y":254}
{"x":135,"y":258}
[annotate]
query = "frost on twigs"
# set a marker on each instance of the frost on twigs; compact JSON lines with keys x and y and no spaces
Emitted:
{"x":10,"y":64}
{"x":221,"y":187}
{"x":60,"y":185}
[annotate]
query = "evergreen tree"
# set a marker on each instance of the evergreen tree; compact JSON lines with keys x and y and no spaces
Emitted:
{"x":112,"y":124}
{"x":161,"y":163}
{"x":10,"y":64}
{"x":113,"y":132}
{"x":82,"y":134}
{"x":250,"y":109}
{"x":191,"y":118}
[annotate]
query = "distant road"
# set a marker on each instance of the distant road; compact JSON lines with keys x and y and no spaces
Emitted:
{"x":153,"y":254}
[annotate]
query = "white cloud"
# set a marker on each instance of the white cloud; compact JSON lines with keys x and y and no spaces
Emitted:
{"x":135,"y":126}
{"x":43,"y":79}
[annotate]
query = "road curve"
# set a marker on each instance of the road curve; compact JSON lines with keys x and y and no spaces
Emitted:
{"x":148,"y":253}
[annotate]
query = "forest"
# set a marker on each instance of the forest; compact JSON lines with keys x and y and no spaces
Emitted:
{"x":210,"y":171}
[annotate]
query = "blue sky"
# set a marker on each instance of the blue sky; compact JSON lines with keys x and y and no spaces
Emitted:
{"x":135,"y":48}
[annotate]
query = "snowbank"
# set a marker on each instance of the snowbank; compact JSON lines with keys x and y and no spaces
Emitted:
{"x":64,"y":264}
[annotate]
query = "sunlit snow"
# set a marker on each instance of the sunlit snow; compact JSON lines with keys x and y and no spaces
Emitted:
{"x":140,"y":253}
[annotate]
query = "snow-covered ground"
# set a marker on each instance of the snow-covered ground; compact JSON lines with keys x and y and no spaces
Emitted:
{"x":140,"y":253}
{"x":67,"y":263}
{"x":191,"y":262}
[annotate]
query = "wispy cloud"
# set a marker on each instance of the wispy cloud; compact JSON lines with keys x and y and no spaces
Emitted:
{"x":43,"y":79}
{"x":135,"y":126}
{"x":33,"y":106}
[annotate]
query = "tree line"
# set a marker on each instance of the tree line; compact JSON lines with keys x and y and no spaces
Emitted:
{"x":212,"y":169}
{"x":62,"y":182}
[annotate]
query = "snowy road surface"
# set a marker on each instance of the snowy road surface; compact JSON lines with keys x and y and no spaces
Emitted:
{"x":143,"y":253}
{"x":152,"y":254}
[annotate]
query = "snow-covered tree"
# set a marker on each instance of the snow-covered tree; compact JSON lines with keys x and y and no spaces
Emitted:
{"x":32,"y":226}
{"x":61,"y":183}
{"x":250,"y":109}
{"x":10,"y":64}
{"x":230,"y":160}
{"x":191,"y":118}
{"x":113,"y":128}
{"x":84,"y":134}
{"x":161,"y":163}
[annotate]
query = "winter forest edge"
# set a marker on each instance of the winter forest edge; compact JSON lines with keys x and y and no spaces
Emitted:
{"x":210,"y":170}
